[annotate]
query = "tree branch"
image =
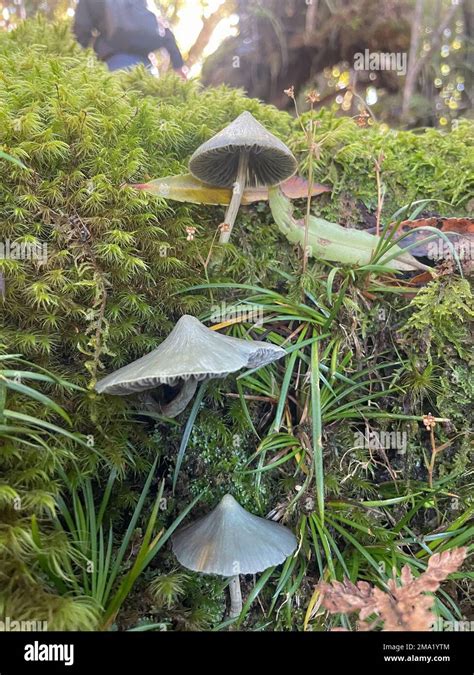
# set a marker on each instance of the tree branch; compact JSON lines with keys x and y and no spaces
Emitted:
{"x":414,"y":45}
{"x":209,"y":24}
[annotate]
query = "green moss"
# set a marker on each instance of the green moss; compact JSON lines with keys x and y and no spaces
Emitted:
{"x":428,"y":165}
{"x":443,"y":312}
{"x":116,"y":258}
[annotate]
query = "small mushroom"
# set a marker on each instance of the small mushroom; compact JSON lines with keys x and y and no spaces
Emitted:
{"x":243,"y":153}
{"x":191,"y":353}
{"x":230,"y":541}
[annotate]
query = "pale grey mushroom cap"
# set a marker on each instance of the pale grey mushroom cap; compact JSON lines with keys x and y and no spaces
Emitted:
{"x":230,"y":541}
{"x":216,"y":161}
{"x":191,"y":350}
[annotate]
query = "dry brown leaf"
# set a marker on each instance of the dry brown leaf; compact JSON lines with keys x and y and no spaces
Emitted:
{"x":346,"y":595}
{"x":405,"y":607}
{"x":404,"y":612}
{"x":440,"y":566}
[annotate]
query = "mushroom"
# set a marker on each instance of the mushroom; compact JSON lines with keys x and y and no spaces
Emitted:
{"x":243,"y":153}
{"x":191,"y":353}
{"x":230,"y":541}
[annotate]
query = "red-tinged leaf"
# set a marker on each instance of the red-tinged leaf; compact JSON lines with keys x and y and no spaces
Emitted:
{"x":459,"y":225}
{"x":297,"y":188}
{"x":421,"y":279}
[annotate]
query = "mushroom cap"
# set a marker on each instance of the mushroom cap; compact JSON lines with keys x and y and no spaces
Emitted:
{"x":191,"y":350}
{"x":230,"y":541}
{"x":216,"y":161}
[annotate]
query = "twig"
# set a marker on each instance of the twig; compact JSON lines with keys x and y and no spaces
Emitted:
{"x":205,"y":263}
{"x":414,"y":43}
{"x":310,"y":18}
{"x":429,"y":422}
{"x":380,"y":193}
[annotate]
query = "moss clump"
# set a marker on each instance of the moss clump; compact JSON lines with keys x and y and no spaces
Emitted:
{"x":109,"y":289}
{"x":429,"y":165}
{"x":116,"y":258}
{"x":443,"y":315}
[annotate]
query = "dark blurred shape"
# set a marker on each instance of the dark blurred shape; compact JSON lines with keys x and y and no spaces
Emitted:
{"x":124,"y":32}
{"x":288,"y":43}
{"x":312,"y":43}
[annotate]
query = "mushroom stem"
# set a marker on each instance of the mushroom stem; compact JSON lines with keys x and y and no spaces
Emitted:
{"x":237,"y":195}
{"x":235,"y":597}
{"x":181,"y":400}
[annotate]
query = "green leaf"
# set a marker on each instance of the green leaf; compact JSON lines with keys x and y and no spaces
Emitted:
{"x":317,"y":429}
{"x":331,"y":241}
{"x":187,"y":188}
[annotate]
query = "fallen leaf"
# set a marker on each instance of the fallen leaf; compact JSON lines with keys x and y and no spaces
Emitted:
{"x":186,"y":188}
{"x":405,"y":607}
{"x":459,"y":225}
{"x":333,"y":242}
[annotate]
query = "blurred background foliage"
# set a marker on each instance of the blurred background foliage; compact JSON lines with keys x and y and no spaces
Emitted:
{"x":266,"y":46}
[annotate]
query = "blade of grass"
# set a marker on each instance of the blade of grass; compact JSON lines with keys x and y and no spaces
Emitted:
{"x":187,"y":431}
{"x":317,"y":429}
